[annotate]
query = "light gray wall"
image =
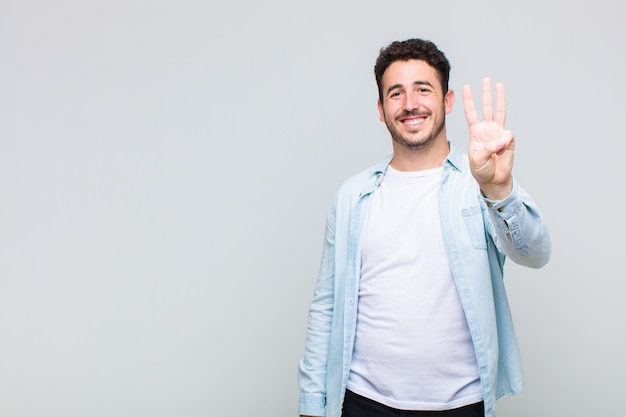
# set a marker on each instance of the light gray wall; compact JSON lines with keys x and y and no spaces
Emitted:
{"x":166,"y":166}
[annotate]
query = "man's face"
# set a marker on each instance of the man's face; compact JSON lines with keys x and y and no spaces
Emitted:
{"x":414,"y":105}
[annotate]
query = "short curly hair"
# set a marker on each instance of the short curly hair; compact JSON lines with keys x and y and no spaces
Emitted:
{"x":412,"y":49}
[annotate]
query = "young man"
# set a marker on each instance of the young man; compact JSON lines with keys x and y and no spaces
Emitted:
{"x":410,"y":316}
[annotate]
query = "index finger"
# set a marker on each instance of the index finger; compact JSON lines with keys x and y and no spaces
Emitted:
{"x":468,"y":106}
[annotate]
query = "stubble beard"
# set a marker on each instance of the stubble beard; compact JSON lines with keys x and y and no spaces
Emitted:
{"x":418,"y":143}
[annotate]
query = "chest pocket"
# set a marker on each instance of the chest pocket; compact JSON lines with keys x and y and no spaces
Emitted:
{"x":473,"y":219}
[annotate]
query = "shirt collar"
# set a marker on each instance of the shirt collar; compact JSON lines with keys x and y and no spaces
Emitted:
{"x":454,"y":159}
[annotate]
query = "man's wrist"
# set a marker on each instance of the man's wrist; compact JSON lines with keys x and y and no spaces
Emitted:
{"x":497,"y":192}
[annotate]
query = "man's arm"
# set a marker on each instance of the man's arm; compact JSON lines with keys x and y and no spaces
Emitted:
{"x":514,"y":220}
{"x":517,"y":228}
{"x":312,"y":369}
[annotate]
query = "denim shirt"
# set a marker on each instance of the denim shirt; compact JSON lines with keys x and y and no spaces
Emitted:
{"x":478,"y":235}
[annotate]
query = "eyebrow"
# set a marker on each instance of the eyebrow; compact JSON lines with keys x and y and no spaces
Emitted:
{"x":418,"y":82}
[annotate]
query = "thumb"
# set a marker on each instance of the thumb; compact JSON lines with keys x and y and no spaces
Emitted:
{"x":508,"y":142}
{"x":494,"y":146}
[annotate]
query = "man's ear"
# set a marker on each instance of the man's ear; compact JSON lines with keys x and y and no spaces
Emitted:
{"x":381,"y":111}
{"x":448,"y":101}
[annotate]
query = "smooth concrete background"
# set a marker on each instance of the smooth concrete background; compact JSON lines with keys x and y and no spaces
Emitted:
{"x":166,"y":167}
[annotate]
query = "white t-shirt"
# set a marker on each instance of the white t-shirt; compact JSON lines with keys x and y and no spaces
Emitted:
{"x":413,"y":349}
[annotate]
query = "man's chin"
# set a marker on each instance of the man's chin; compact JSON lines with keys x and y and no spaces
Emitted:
{"x":414,"y":143}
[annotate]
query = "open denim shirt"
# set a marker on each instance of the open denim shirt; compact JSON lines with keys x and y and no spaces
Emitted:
{"x":478,"y":235}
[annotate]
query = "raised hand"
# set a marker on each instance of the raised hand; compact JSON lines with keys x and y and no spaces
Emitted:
{"x":491,"y":147}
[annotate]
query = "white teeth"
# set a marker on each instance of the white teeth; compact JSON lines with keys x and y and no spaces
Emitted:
{"x":414,"y":121}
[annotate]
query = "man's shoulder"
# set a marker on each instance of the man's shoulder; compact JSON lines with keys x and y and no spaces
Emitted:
{"x":365,"y":177}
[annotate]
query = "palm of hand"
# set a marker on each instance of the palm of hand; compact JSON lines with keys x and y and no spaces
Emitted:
{"x":491,"y":147}
{"x":490,"y":153}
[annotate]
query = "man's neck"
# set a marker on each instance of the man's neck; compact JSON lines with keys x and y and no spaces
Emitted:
{"x":405,"y":159}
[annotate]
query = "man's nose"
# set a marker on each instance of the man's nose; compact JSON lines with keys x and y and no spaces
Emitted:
{"x":411,"y":102}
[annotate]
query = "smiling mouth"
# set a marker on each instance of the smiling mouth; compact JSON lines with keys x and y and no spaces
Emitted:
{"x":414,"y":121}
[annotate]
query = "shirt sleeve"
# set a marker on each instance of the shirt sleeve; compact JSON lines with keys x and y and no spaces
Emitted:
{"x":518,"y":229}
{"x":312,"y":367}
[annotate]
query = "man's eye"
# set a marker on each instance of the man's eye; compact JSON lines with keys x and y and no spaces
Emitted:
{"x":395,"y":94}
